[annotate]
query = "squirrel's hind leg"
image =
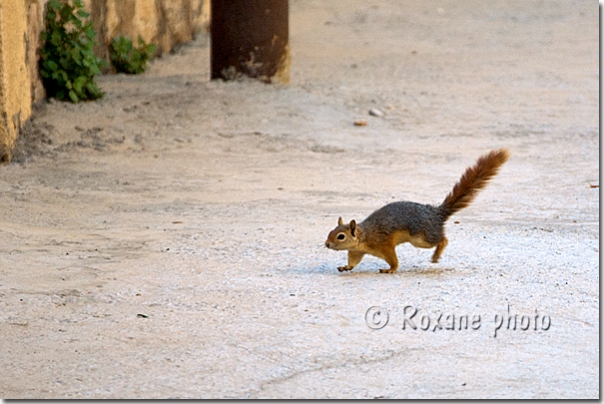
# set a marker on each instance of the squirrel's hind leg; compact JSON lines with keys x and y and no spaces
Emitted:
{"x":439,"y":249}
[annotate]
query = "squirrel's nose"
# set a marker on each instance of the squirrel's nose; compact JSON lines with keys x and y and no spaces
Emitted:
{"x":326,"y":243}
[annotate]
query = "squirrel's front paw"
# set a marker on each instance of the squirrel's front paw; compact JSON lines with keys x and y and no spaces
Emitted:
{"x":346,"y":268}
{"x":388,"y":271}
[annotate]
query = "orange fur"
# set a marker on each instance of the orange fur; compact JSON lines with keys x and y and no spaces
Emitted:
{"x":473,"y":180}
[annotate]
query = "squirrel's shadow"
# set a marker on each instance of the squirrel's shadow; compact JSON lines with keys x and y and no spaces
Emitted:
{"x":374,"y":270}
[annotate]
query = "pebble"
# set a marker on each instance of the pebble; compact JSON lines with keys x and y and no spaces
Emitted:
{"x":375,"y":112}
{"x":360,"y":122}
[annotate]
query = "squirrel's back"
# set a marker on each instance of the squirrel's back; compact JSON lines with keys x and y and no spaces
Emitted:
{"x":416,"y":218}
{"x":428,"y":221}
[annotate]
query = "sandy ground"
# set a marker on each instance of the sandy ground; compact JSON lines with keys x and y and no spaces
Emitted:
{"x":167,"y":240}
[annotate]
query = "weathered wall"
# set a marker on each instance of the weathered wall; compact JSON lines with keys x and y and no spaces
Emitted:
{"x":166,"y":23}
{"x":15,"y":102}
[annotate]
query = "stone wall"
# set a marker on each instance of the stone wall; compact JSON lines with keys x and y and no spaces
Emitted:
{"x":166,"y":23}
{"x":15,"y":82}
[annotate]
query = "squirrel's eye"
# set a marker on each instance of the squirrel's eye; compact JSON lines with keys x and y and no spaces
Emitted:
{"x":341,"y":236}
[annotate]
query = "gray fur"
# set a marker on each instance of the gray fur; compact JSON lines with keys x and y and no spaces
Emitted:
{"x":414,"y":217}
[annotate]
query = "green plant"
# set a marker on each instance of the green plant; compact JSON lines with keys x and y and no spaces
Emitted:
{"x":128,"y":59}
{"x":67,"y":60}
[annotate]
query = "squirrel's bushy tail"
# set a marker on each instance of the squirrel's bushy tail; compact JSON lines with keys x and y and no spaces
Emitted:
{"x":473,"y":180}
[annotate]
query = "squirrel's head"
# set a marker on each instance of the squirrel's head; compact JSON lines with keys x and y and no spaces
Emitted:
{"x":343,"y":237}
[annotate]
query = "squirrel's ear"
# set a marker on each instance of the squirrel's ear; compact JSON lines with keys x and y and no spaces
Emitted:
{"x":353,"y":227}
{"x":340,"y":221}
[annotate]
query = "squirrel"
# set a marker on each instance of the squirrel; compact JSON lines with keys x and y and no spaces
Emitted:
{"x":419,"y":224}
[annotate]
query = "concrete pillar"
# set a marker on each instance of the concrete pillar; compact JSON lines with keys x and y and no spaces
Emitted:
{"x":251,"y":38}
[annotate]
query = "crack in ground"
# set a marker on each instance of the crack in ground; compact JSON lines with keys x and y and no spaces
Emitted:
{"x":361,"y":361}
